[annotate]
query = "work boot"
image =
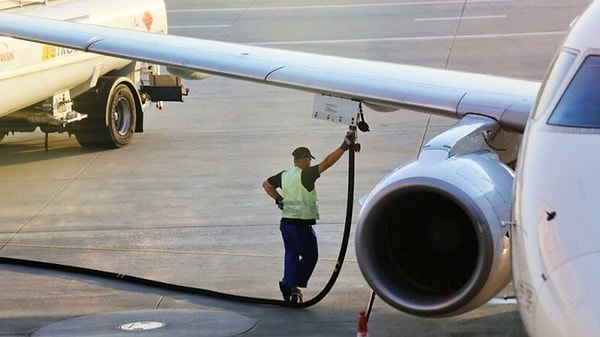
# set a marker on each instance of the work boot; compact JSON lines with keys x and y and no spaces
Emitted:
{"x":296,"y":297}
{"x":286,"y":292}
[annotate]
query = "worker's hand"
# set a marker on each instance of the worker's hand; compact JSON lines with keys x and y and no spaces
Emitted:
{"x":348,"y":139}
{"x":279,"y":202}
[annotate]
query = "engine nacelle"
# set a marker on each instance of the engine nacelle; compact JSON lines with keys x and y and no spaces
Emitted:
{"x":430,"y":239}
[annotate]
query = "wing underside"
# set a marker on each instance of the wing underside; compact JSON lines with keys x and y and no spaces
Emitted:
{"x":384,"y":85}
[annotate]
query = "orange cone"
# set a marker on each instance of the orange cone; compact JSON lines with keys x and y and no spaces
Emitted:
{"x":362,"y":325}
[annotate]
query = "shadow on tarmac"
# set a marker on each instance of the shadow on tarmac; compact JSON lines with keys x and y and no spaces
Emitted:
{"x":32,"y":149}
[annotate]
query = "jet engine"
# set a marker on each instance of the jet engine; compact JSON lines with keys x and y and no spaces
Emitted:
{"x":431,"y":239}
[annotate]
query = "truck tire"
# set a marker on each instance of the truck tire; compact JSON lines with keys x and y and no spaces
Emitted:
{"x":111,"y":109}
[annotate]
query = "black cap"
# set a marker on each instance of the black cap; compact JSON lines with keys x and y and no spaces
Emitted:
{"x":302,"y":152}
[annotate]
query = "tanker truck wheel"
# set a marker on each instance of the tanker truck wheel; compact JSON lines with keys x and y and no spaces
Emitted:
{"x":111,"y":110}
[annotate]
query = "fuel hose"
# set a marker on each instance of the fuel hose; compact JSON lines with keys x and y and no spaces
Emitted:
{"x":207,"y":292}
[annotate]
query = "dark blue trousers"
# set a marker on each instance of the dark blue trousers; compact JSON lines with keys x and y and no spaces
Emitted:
{"x":301,"y":254}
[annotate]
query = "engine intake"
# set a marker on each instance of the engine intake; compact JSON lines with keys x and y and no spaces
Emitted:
{"x":430,"y":239}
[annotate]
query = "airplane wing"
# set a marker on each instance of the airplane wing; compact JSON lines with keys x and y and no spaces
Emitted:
{"x":383,"y":86}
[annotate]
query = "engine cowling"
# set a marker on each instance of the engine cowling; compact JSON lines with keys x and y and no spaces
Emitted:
{"x":430,"y":239}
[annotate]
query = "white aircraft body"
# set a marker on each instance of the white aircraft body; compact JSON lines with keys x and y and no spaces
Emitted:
{"x":440,"y":236}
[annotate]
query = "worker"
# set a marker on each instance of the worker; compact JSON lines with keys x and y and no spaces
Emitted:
{"x":298,"y":202}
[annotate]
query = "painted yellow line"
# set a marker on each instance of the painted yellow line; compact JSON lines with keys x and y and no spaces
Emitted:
{"x":149,"y":250}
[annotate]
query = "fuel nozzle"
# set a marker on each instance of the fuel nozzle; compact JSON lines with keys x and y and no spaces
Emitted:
{"x":355,"y":146}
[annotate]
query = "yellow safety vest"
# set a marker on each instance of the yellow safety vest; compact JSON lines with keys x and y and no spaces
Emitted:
{"x":298,"y":202}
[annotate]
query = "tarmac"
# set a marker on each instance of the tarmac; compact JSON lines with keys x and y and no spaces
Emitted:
{"x":183,"y":204}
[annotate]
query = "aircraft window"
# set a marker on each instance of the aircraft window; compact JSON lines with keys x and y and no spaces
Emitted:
{"x":555,"y":77}
{"x":580,"y":104}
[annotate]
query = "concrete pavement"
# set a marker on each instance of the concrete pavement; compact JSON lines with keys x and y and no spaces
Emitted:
{"x":183,"y":203}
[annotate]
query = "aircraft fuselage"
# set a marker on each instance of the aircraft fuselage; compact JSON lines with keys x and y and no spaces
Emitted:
{"x":556,"y":237}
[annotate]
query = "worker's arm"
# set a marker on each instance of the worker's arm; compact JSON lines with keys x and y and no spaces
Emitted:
{"x":336,"y":154}
{"x":272,"y":192}
{"x":330,"y":159}
{"x":270,"y":189}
